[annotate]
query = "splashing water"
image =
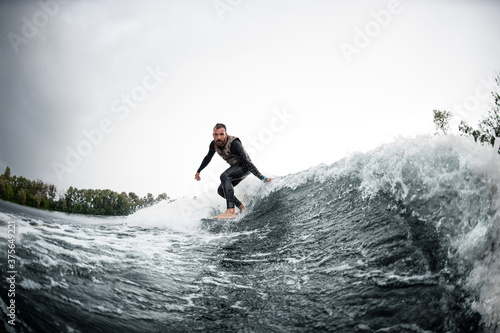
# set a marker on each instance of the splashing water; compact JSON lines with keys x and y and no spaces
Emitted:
{"x":401,"y":239}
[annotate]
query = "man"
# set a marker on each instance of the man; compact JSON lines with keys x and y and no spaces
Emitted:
{"x":231,"y":150}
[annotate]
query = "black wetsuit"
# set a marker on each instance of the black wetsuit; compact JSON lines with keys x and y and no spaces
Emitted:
{"x":234,"y":175}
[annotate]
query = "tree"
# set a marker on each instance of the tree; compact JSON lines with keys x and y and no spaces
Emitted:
{"x":52,"y":192}
{"x":82,"y":201}
{"x":21,"y":197}
{"x":6,"y":191}
{"x":468,"y":130}
{"x":123,"y":204}
{"x":489,"y":126}
{"x":38,"y":199}
{"x":6,"y":174}
{"x":442,"y":120}
{"x":162,"y":196}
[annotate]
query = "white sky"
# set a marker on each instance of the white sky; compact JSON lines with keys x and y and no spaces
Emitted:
{"x":273,"y":71}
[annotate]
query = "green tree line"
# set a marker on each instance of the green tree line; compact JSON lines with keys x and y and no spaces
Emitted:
{"x":488,"y":129}
{"x":80,"y":201}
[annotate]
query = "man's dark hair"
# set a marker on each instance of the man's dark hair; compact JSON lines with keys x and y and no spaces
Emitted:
{"x":219,"y":126}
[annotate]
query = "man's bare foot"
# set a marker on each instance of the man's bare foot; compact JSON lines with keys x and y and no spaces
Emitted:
{"x":228,"y":214}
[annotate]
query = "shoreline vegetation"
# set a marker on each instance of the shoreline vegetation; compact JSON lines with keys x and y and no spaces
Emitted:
{"x":106,"y":202}
{"x":77,"y":201}
{"x":488,"y":130}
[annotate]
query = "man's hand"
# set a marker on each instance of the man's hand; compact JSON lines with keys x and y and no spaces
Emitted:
{"x":269,"y":179}
{"x":197,"y":176}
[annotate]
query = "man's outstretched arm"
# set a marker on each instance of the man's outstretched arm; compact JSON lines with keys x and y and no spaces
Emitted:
{"x":206,"y":160}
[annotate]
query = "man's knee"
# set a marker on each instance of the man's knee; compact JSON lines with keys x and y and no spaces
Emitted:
{"x":224,"y":177}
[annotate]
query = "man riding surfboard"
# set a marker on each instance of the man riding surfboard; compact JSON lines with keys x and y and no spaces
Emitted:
{"x":231,"y":150}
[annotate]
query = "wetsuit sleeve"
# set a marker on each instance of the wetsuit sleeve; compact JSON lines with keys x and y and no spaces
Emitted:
{"x":237,"y":149}
{"x":208,"y":158}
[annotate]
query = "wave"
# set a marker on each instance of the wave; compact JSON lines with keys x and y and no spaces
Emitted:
{"x":403,"y":238}
{"x":439,"y":194}
{"x":444,"y":188}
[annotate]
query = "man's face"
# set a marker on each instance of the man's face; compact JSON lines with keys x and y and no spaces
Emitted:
{"x":220,"y":136}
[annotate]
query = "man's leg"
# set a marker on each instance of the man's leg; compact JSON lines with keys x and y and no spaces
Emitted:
{"x":230,"y":178}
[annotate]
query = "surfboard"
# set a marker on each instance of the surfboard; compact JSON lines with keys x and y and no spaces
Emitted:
{"x":214,"y":220}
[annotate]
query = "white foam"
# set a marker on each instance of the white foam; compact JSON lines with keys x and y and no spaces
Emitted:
{"x":180,"y":215}
{"x":30,"y":284}
{"x":485,"y":277}
{"x":443,"y":166}
{"x":431,"y":167}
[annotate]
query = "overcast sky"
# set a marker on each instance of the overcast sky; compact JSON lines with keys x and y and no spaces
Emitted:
{"x":124,"y":94}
